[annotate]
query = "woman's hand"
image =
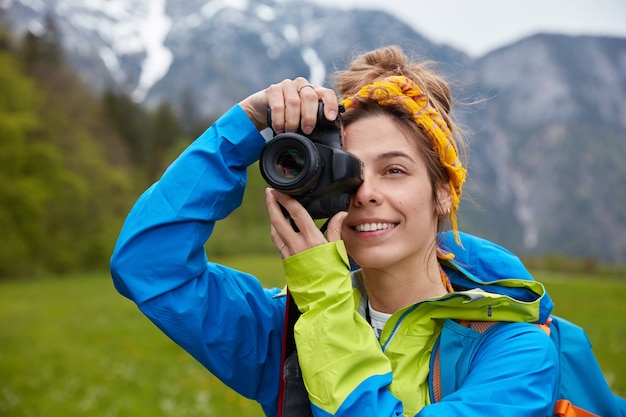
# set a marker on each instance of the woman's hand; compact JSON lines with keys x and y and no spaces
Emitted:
{"x":285,"y":238}
{"x":293,"y":103}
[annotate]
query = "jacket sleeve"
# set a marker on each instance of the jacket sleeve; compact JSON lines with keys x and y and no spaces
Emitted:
{"x":220,"y":316}
{"x":513,"y":372}
{"x":343,"y":367}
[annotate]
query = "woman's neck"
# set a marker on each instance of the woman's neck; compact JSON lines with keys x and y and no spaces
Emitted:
{"x":390,"y":290}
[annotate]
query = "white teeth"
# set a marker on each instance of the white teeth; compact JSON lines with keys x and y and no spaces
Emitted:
{"x":371,"y":227}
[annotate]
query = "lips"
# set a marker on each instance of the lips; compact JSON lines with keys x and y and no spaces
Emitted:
{"x":372,"y":227}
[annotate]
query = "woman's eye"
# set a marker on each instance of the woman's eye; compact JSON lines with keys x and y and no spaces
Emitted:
{"x":395,"y":170}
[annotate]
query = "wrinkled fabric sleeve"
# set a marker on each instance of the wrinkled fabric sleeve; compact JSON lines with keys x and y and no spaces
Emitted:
{"x":222,"y":317}
{"x":343,"y":367}
{"x":514,"y":372}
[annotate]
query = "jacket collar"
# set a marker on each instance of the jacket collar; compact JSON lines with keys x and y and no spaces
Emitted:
{"x":482,"y":270}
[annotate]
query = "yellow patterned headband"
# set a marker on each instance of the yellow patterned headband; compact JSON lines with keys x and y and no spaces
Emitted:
{"x":429,"y":120}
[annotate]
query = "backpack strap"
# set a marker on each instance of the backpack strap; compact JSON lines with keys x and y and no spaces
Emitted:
{"x":581,"y":379}
{"x":479,"y":326}
{"x":435,"y":373}
{"x":436,"y":386}
{"x":565,"y":408}
{"x":293,"y":398}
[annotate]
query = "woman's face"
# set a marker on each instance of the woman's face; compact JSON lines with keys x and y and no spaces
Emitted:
{"x":392,"y":219}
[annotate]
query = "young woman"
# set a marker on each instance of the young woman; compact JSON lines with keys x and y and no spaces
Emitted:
{"x":365,"y":339}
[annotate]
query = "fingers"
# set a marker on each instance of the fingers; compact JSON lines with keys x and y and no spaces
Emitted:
{"x":282,"y":232}
{"x":333,"y":231}
{"x":284,"y":102}
{"x":277,"y":240}
{"x":308,"y":107}
{"x":294,"y":104}
{"x":331,"y":105}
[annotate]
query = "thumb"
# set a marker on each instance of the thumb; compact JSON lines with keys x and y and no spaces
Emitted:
{"x":333,"y":231}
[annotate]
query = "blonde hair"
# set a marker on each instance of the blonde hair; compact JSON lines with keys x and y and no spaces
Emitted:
{"x":389,"y":61}
{"x":381,"y":64}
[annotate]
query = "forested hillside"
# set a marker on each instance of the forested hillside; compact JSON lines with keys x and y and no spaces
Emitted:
{"x":71,"y":162}
{"x":545,"y":126}
{"x":75,"y":156}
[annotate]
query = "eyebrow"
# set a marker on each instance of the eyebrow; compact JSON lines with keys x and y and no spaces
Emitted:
{"x":393,"y":154}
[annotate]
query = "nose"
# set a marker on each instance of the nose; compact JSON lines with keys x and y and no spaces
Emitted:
{"x":367,"y":194}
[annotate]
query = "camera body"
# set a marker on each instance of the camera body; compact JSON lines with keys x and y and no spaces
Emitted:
{"x":314,"y":169}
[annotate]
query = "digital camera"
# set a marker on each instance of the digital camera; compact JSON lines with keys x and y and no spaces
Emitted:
{"x":314,"y":169}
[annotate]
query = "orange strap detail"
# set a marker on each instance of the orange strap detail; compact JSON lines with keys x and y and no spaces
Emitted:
{"x":436,"y":377}
{"x":545,"y":326}
{"x":479,"y":326}
{"x":564,"y":408}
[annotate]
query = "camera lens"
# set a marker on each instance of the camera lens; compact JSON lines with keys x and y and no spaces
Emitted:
{"x":289,"y":163}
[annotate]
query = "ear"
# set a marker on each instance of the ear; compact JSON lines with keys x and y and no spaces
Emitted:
{"x":444,"y":199}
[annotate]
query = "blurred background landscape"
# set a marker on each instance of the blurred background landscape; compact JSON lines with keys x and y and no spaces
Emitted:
{"x":99,"y":96}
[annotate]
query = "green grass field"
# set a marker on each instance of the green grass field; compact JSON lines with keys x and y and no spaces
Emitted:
{"x":74,"y":347}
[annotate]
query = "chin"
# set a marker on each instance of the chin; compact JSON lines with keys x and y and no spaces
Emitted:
{"x":371,"y":260}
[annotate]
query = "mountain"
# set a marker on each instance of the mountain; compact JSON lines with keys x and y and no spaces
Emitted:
{"x":217,"y":51}
{"x":548,"y":151}
{"x":545,"y":116}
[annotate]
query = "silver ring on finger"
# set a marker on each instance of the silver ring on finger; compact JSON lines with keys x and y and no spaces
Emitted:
{"x":282,"y":246}
{"x":304,"y":86}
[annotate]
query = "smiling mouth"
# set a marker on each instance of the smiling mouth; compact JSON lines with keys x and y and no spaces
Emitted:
{"x":372,"y":227}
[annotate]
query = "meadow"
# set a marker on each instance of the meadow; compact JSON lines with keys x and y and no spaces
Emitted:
{"x":72,"y":346}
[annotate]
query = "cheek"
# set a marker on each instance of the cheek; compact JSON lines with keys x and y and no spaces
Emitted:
{"x":417,"y":205}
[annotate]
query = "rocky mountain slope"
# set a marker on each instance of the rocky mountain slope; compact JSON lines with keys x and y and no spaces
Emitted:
{"x":547,"y":123}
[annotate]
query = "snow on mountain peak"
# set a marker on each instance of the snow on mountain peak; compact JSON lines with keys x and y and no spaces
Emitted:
{"x":211,"y":7}
{"x":114,"y":29}
{"x":129,"y":36}
{"x":158,"y":59}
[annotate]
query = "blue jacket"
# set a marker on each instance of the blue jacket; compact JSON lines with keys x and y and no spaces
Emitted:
{"x":234,"y":327}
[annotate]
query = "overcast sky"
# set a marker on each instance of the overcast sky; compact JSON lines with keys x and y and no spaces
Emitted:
{"x":479,"y":26}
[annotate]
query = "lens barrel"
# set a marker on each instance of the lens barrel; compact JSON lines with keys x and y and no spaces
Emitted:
{"x":290,"y":163}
